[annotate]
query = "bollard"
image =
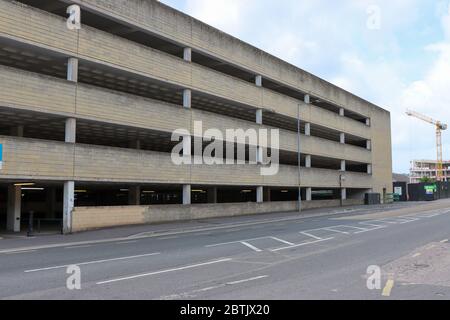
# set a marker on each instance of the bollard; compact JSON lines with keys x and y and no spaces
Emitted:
{"x":30,"y":224}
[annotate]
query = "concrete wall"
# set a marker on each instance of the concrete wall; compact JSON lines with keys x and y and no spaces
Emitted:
{"x":25,"y":158}
{"x":86,"y":218}
{"x":29,"y":91}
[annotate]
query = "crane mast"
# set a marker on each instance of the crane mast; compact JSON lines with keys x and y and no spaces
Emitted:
{"x":439,"y":128}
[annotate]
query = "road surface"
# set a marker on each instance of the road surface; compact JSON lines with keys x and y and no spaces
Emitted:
{"x":285,"y":257}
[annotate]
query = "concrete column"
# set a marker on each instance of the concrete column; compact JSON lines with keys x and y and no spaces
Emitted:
{"x":369,"y":145}
{"x":134,"y":196}
{"x":343,"y":165}
{"x":308,"y":161}
{"x":258,"y":81}
{"x":259,"y":155}
{"x":187,"y":194}
{"x":342,"y":112}
{"x":69,"y":203}
{"x":343,"y":194}
{"x":14,"y":208}
{"x":187,"y":98}
{"x":260,"y":194}
{"x":259,"y":116}
{"x":308,"y":194}
{"x":72,"y":69}
{"x":17,"y":131}
{"x":368,"y":122}
{"x":307,"y":129}
{"x":342,"y":138}
{"x":307,"y":99}
{"x":71,"y":130}
{"x":212,"y":195}
{"x":187,"y":54}
{"x":187,"y":146}
{"x":369,"y":169}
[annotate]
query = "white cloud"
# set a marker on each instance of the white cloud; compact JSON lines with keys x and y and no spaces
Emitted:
{"x":223,"y":14}
{"x":389,"y":67}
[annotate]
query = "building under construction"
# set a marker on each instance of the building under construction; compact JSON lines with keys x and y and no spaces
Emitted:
{"x":428,"y":169}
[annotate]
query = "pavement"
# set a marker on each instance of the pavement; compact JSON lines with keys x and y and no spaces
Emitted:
{"x":398,"y":252}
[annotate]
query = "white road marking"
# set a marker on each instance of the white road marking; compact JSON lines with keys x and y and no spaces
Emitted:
{"x":444,"y":241}
{"x":301,"y":244}
{"x":283,"y":241}
{"x":246,"y":280}
{"x":20,"y":252}
{"x":127,"y":242}
{"x":251,"y":246}
{"x":233,"y":242}
{"x":93,"y":262}
{"x":417,"y":255}
{"x":164,"y":271}
{"x":189,"y":294}
{"x":334,"y":230}
{"x":78,"y":247}
{"x":310,"y":235}
{"x":377,"y":226}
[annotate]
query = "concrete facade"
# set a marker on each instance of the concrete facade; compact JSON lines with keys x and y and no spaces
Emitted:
{"x":95,"y":108}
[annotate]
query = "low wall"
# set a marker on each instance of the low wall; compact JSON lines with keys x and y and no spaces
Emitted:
{"x":87,"y":218}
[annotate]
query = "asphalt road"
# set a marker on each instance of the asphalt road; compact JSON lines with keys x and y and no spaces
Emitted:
{"x":324,"y":257}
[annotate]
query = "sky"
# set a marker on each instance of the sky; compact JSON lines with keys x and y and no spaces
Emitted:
{"x":394,"y":53}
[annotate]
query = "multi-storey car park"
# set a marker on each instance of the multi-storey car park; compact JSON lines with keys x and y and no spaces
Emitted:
{"x":86,"y":118}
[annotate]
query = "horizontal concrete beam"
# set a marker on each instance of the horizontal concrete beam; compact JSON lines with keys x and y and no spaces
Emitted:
{"x":41,"y":160}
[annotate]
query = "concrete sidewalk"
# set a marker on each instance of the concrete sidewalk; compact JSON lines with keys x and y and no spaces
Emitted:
{"x":9,"y":241}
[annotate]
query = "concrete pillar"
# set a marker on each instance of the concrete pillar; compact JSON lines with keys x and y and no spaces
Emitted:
{"x":307,"y":129}
{"x":68,"y":205}
{"x":187,"y":146}
{"x":369,"y":169}
{"x":187,"y":194}
{"x":308,"y":161}
{"x":14,"y":210}
{"x":368,"y":122}
{"x":72,"y":69}
{"x":259,"y":116}
{"x":187,"y":54}
{"x":212,"y":195}
{"x":343,"y":194}
{"x":187,"y":98}
{"x":260,"y":194}
{"x":134,"y":196}
{"x":71,"y":130}
{"x":342,"y":138}
{"x":308,"y":194}
{"x":259,"y":155}
{"x":342,"y":112}
{"x":307,"y":99}
{"x":258,"y":81}
{"x":369,"y":145}
{"x":17,"y":131}
{"x":343,"y":165}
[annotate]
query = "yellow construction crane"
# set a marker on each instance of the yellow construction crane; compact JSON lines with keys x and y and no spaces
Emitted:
{"x":439,"y":128}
